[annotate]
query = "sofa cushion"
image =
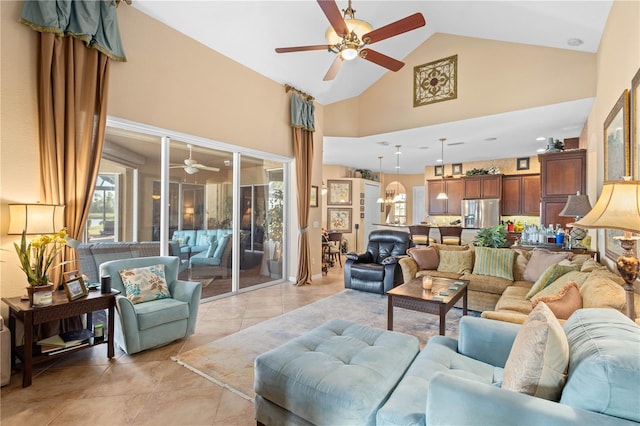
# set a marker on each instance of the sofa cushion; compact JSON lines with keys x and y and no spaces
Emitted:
{"x":495,"y":262}
{"x":604,"y":368}
{"x":600,"y":291}
{"x":162,"y":311}
{"x":520,"y":263}
{"x":145,"y":284}
{"x":564,"y":303}
{"x":540,"y":260}
{"x":222,"y":244}
{"x":456,"y":261}
{"x":513,"y":300}
{"x":439,"y":274}
{"x":552,"y":273}
{"x":539,"y":357}
{"x":426,"y":258}
{"x":486,"y":283}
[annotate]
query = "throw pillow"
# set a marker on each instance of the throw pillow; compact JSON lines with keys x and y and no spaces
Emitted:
{"x":520,"y":263}
{"x":553,"y":288}
{"x":540,"y":260}
{"x":455,"y":261}
{"x":591,"y":265}
{"x":145,"y":284}
{"x":539,"y":358}
{"x":495,"y":262}
{"x":426,"y":258}
{"x":203,"y":239}
{"x":550,"y":274}
{"x":449,"y":247}
{"x":213,"y":245}
{"x":564,"y":303}
{"x":600,"y":291}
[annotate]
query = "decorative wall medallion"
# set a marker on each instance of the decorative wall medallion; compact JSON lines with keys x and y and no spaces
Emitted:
{"x":435,"y":81}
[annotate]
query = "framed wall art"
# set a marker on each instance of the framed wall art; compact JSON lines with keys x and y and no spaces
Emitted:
{"x":635,"y":127}
{"x":435,"y":81}
{"x":456,"y":169}
{"x":616,"y":140}
{"x":522,"y":163}
{"x":313,"y":198}
{"x":339,"y":219}
{"x":339,"y":192}
{"x":438,"y":171}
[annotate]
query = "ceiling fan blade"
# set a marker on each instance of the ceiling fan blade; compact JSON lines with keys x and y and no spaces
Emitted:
{"x":393,"y":29}
{"x":203,"y":167}
{"x":331,"y":11}
{"x":333,"y":69}
{"x":380,"y":59}
{"x":302,"y":48}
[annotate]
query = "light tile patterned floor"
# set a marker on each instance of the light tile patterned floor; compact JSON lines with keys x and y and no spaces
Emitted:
{"x":148,"y":388}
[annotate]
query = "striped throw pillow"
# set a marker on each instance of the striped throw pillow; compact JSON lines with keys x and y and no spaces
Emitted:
{"x":495,"y":262}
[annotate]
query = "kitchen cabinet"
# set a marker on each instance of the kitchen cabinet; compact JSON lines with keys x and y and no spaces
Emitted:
{"x":521,"y":195}
{"x":482,"y":186}
{"x":454,"y":189}
{"x":561,"y":174}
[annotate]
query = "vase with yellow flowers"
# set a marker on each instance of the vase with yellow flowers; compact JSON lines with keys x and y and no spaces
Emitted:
{"x":36,"y":259}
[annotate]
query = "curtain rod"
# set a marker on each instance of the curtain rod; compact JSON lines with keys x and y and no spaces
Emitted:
{"x":308,"y":97}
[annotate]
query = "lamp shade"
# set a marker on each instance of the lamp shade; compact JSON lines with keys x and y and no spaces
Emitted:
{"x":577,"y":206}
{"x":617,"y":208}
{"x":35,"y":218}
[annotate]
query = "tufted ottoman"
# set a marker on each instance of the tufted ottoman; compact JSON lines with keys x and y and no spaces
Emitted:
{"x":340,"y":373}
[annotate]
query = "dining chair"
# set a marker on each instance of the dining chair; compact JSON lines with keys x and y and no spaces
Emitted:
{"x":450,"y":235}
{"x":335,"y":240}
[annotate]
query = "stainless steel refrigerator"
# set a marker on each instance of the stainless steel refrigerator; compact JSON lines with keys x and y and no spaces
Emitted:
{"x":480,"y":213}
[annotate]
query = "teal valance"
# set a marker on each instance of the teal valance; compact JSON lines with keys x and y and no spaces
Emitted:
{"x":302,"y":113}
{"x":93,"y":21}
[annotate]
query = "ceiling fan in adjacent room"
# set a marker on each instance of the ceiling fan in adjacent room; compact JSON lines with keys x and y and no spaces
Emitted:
{"x":349,"y":37}
{"x":192,"y":166}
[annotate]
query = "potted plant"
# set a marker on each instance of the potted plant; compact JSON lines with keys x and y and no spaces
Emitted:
{"x":275,"y":217}
{"x":495,"y":236}
{"x":36,"y":258}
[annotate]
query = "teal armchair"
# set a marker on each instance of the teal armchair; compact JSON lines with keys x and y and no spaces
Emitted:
{"x":158,"y":322}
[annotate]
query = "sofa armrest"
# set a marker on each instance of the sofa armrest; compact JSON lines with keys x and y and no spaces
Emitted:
{"x":486,"y":340}
{"x":454,"y":400}
{"x":391,"y":260}
{"x":185,"y":291}
{"x":409,"y":268}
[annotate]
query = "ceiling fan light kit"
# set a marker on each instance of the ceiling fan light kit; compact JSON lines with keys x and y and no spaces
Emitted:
{"x":348,"y":37}
{"x":192,"y":166}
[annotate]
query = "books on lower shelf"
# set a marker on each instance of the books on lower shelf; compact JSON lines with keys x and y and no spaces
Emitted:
{"x":65,"y":341}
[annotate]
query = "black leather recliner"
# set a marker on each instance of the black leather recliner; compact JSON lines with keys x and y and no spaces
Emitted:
{"x":377,"y":270}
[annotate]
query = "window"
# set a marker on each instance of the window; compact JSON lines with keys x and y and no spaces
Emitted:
{"x":103,"y":220}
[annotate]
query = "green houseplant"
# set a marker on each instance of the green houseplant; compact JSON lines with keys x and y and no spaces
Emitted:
{"x":275,"y":217}
{"x":495,"y":236}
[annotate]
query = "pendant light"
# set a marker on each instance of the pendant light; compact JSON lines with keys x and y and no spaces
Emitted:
{"x":442,"y":195}
{"x":382,"y":188}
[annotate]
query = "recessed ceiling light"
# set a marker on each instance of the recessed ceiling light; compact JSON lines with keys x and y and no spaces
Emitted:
{"x":541,"y":138}
{"x":541,"y":150}
{"x":574,"y":42}
{"x":491,"y":139}
{"x":439,"y":160}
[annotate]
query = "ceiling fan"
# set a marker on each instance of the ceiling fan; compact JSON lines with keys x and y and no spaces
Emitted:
{"x":191,"y":166}
{"x":348,"y":37}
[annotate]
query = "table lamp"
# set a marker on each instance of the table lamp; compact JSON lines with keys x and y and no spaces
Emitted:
{"x":577,"y":206}
{"x":619,"y":208}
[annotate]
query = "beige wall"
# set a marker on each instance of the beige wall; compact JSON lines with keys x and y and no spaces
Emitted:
{"x":618,"y":60}
{"x":169,"y":81}
{"x":493,"y":77}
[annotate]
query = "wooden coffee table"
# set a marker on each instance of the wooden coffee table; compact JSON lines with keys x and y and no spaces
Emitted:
{"x":412,"y":296}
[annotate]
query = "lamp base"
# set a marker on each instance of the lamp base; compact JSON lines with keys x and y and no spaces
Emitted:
{"x":628,"y":266}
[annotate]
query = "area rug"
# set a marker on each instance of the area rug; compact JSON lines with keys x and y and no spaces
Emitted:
{"x":229,"y":361}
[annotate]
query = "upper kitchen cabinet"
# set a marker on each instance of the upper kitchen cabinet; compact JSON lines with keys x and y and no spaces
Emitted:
{"x":521,"y":195}
{"x":482,"y":186}
{"x":561,"y":174}
{"x":454,"y":190}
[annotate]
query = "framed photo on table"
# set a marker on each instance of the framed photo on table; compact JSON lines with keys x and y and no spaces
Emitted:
{"x":74,"y":288}
{"x":616,"y":140}
{"x":339,"y":192}
{"x":339,"y":220}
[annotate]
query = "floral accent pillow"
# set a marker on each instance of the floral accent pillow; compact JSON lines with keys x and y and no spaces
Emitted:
{"x":145,"y":284}
{"x":455,"y":261}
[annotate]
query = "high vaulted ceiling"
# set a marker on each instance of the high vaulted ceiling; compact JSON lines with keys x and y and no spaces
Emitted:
{"x":249,"y":31}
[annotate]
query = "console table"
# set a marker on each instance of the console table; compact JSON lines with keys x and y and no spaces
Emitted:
{"x":61,"y":308}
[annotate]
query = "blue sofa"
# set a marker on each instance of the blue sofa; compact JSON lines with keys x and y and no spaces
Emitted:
{"x":194,"y":241}
{"x":457,"y":382}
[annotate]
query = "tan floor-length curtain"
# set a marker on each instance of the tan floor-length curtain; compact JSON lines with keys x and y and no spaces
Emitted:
{"x":76,"y":41}
{"x":302,"y":122}
{"x":73,"y":88}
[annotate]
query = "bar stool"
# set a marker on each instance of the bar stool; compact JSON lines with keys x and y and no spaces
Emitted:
{"x":450,"y":235}
{"x":420,"y":234}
